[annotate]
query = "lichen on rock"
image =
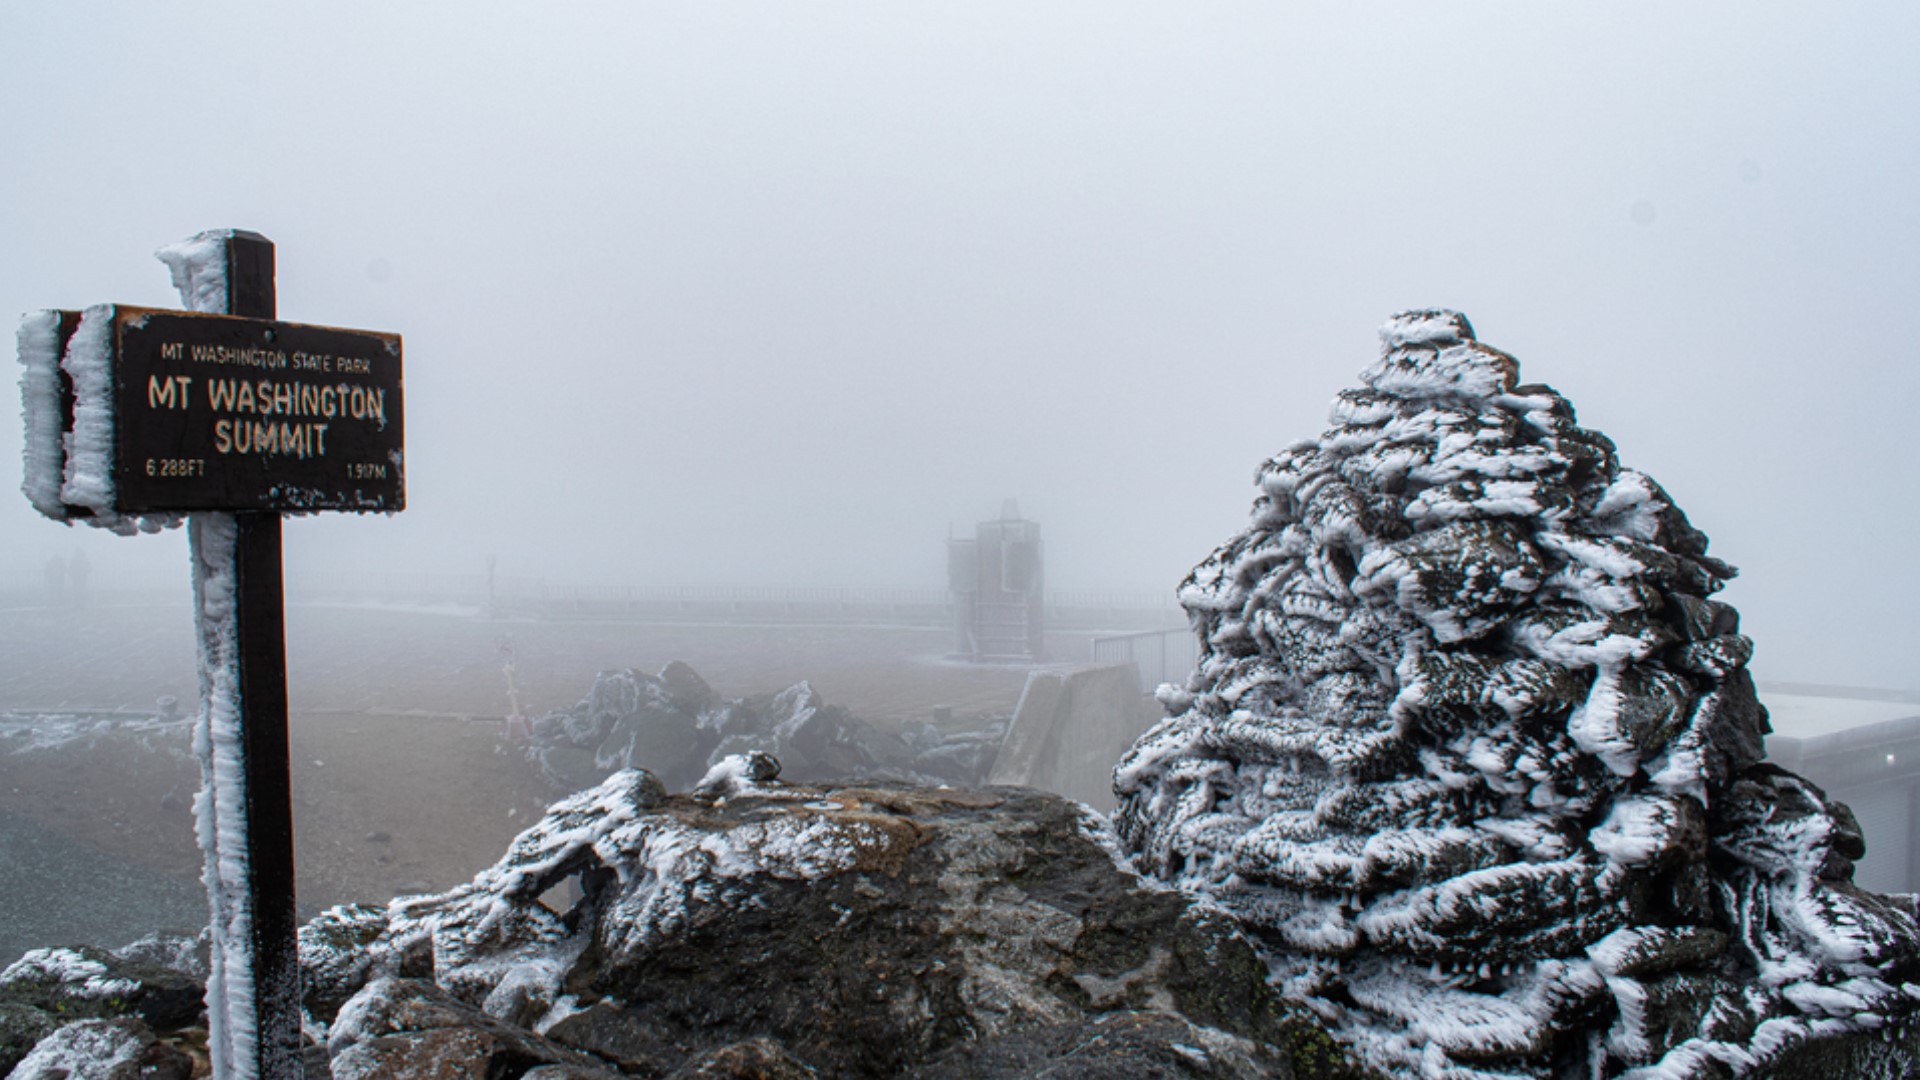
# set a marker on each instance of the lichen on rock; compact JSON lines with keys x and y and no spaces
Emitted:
{"x":1474,"y":752}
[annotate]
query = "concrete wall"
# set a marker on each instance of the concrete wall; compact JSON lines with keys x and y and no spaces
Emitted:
{"x":1070,"y":729}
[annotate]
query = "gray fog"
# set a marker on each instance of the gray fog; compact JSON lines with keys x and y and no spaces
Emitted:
{"x":778,"y":294}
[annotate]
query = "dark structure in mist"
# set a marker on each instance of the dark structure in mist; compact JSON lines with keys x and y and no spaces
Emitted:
{"x":998,"y":591}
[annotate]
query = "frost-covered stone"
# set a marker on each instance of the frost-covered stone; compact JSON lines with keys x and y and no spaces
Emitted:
{"x":157,"y":980}
{"x":410,"y":1028}
{"x":1474,"y":751}
{"x":674,"y":726}
{"x":117,"y":1049}
{"x":871,"y":930}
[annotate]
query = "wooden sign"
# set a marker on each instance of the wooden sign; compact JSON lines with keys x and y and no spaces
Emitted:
{"x":134,"y":416}
{"x":218,"y":412}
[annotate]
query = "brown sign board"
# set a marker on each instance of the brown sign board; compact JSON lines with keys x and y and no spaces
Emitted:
{"x":218,"y":412}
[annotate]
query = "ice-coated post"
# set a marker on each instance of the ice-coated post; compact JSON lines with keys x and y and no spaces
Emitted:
{"x":127,"y":430}
{"x":254,"y":987}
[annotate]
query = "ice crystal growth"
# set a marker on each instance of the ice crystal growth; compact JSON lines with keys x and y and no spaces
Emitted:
{"x":40,"y":392}
{"x":1473,"y":751}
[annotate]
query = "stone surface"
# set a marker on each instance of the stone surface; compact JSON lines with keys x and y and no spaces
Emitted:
{"x":411,"y":1028}
{"x":1117,"y":1044}
{"x":753,"y":1059}
{"x":21,"y":1027}
{"x":1473,"y":752}
{"x":47,"y":988}
{"x":103,"y":1049}
{"x":855,"y":930}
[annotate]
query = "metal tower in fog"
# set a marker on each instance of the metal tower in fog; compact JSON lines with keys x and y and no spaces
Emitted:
{"x":996,"y":581}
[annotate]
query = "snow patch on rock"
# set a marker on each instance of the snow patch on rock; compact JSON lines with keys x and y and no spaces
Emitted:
{"x":87,"y":1050}
{"x":493,"y":932}
{"x":81,"y":976}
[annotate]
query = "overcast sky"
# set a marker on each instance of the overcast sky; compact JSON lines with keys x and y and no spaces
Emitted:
{"x":775,"y":293}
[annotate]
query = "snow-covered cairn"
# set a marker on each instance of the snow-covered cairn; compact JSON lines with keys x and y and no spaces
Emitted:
{"x":1472,"y":751}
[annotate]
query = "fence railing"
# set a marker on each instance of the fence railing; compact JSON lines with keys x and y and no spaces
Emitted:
{"x":1160,"y":656}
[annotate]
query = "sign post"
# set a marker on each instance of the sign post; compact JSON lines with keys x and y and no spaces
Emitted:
{"x":136,"y":417}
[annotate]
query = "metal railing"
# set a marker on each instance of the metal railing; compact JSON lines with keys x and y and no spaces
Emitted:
{"x":1160,"y":656}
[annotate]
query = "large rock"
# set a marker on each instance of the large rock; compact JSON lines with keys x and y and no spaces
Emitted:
{"x":629,"y":719}
{"x":1475,"y":755}
{"x":857,"y":931}
{"x":408,"y":1028}
{"x":158,"y":981}
{"x":122,"y":1048}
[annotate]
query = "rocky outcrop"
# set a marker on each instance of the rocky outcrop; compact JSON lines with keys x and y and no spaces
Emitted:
{"x":122,"y":1048}
{"x":149,"y":989}
{"x":412,"y":1028}
{"x":674,"y":726}
{"x":749,"y":928}
{"x":833,"y":930}
{"x":1474,"y":753}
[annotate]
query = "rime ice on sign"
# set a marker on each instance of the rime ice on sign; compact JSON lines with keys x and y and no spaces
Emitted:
{"x":1472,"y":750}
{"x":110,"y":409}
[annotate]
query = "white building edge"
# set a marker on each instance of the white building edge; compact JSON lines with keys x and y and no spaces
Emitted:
{"x":1863,"y":747}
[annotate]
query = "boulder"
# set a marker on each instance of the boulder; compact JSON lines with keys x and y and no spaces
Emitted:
{"x":685,"y":688}
{"x":669,"y":743}
{"x":409,"y":1028}
{"x":564,"y":766}
{"x":122,"y":1048}
{"x":853,"y":930}
{"x":47,"y":988}
{"x":21,"y":1027}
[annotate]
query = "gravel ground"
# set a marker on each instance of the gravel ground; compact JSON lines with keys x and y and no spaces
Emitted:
{"x":57,"y":892}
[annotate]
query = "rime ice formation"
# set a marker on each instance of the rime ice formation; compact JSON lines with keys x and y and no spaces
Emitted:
{"x":67,"y":474}
{"x":40,"y":396}
{"x":199,"y":268}
{"x":219,"y":808}
{"x":1472,"y":750}
{"x":67,"y":393}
